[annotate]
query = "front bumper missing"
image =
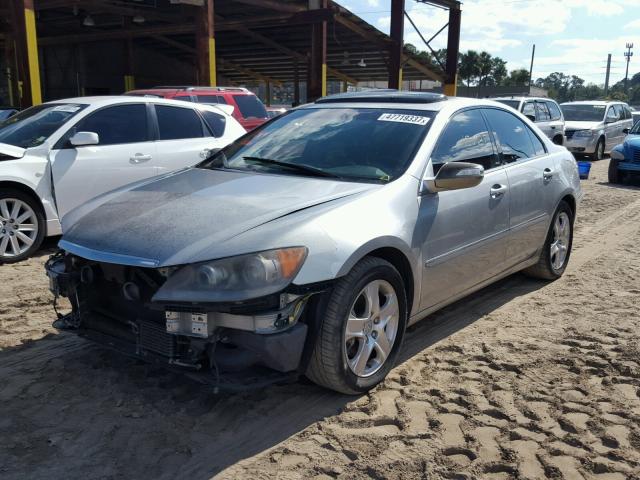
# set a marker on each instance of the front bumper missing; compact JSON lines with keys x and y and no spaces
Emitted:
{"x":219,"y":348}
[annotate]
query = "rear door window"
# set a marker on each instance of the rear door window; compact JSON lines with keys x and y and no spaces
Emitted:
{"x":466,"y":138}
{"x":514,"y":138}
{"x":207,"y":98}
{"x":175,"y":123}
{"x":184,"y":98}
{"x":542,"y":112}
{"x":554,"y":110}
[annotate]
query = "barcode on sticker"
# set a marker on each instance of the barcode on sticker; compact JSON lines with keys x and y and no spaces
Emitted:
{"x":402,"y":118}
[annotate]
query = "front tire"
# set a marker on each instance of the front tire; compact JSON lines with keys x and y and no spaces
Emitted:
{"x":599,"y":152}
{"x":361,"y":332}
{"x":22,"y":226}
{"x":557,"y":246}
{"x":614,"y":173}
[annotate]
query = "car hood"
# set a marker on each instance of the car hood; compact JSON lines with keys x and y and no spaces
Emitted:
{"x":581,"y":125}
{"x":631,"y":142}
{"x":178,"y":218}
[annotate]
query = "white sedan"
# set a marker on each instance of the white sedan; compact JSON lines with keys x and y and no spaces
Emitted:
{"x":56,"y":156}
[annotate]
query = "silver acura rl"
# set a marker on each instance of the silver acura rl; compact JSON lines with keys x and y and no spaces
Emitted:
{"x":310,"y":244}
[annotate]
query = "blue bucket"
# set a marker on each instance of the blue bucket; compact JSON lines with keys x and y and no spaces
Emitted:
{"x":583,"y":169}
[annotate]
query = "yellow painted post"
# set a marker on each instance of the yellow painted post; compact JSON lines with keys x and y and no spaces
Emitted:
{"x":129,"y":83}
{"x":32,"y":52}
{"x":324,"y":79}
{"x":213,"y":81}
{"x":400,"y":79}
{"x":451,"y":89}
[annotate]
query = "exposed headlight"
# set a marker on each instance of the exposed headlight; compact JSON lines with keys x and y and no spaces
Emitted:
{"x":617,"y":154}
{"x":235,"y":278}
{"x":583,"y":133}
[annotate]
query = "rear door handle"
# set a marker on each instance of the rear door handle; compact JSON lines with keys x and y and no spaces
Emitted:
{"x":139,"y":158}
{"x":498,"y":190}
{"x":547,"y":174}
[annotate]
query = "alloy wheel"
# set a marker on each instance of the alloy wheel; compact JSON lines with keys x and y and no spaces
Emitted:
{"x":371,"y":328}
{"x":561,"y":238}
{"x":18,"y":227}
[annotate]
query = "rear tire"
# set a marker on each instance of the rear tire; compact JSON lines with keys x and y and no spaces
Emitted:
{"x":599,"y":152}
{"x":557,"y":244}
{"x":614,"y":174}
{"x":341,"y":347}
{"x":22,"y":233}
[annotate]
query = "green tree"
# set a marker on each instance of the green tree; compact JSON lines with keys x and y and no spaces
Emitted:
{"x":517,"y":77}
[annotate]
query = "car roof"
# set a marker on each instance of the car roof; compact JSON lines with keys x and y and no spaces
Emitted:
{"x":522,"y":98}
{"x":592,"y":102}
{"x":105,"y":100}
{"x":405,"y":102}
{"x":175,"y":89}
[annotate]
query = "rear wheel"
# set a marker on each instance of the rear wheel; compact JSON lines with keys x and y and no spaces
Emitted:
{"x":599,"y":152}
{"x":22,"y":226}
{"x":363,"y":324}
{"x":614,"y":174}
{"x":557,"y":246}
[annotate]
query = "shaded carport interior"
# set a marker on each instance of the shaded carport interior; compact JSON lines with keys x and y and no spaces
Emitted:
{"x":256,"y":42}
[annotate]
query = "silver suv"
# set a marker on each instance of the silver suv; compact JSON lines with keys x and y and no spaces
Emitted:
{"x":593,"y":128}
{"x":312,"y":242}
{"x":544,"y":112}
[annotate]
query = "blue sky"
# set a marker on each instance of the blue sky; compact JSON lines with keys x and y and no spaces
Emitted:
{"x":571,"y":36}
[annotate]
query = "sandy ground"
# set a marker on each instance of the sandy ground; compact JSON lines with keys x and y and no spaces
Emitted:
{"x":524,"y":379}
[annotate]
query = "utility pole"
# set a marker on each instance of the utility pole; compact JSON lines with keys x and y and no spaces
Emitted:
{"x":606,"y":80}
{"x":628,"y":54}
{"x":533,"y":54}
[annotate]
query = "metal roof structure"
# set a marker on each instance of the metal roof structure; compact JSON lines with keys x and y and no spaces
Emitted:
{"x":255,"y":39}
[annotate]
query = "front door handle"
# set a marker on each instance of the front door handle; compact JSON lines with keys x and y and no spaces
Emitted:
{"x":139,"y":158}
{"x":498,"y":190}
{"x":547,"y":174}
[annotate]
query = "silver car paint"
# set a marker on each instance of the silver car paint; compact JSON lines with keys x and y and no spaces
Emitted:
{"x":612,"y":132}
{"x":454,"y":242}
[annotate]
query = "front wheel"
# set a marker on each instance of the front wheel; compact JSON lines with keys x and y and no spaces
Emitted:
{"x":599,"y":153}
{"x":22,"y":226}
{"x":363,"y":324}
{"x":614,"y":173}
{"x":557,"y":246}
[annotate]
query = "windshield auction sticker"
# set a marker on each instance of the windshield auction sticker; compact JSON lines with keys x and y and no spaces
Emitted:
{"x":401,"y":118}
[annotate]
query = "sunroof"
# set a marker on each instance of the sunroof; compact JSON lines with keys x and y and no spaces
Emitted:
{"x":384,"y":96}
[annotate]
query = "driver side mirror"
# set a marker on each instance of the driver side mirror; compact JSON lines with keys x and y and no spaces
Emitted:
{"x":81,"y":139}
{"x":531,"y":117}
{"x":455,"y":176}
{"x":626,"y":130}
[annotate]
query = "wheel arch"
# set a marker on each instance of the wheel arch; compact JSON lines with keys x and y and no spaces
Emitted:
{"x":21,"y":187}
{"x":398,"y":254}
{"x":571,"y":201}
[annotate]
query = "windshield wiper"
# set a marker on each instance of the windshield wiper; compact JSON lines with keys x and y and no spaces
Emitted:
{"x":316,"y":172}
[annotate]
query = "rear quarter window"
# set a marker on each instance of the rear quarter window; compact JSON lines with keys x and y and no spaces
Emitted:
{"x":250,"y":106}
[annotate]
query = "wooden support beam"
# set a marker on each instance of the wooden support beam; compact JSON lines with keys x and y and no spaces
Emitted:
{"x":317,"y":71}
{"x":206,"y":45}
{"x":292,"y":53}
{"x":453,"y":47}
{"x":273,"y":5}
{"x":397,"y":44}
{"x":224,"y":64}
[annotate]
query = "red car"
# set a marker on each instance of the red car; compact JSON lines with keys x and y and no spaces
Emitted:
{"x":248,"y":109}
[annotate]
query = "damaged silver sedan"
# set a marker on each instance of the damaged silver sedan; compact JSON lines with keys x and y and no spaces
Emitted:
{"x":310,"y":244}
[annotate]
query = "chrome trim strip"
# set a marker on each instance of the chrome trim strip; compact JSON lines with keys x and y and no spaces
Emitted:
{"x":107,"y":257}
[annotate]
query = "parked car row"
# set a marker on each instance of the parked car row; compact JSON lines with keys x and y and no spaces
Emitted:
{"x":247,"y":108}
{"x":308,"y":245}
{"x":56,"y":156}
